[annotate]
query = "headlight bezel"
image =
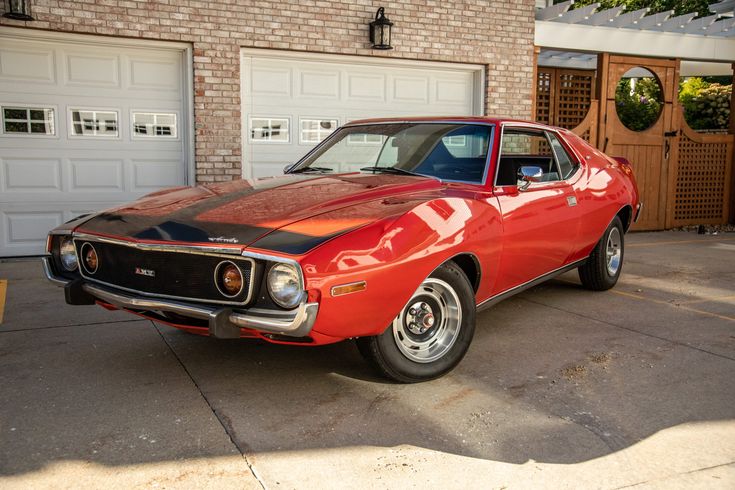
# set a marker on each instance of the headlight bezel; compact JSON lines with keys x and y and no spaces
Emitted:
{"x":219,"y":279}
{"x":84,"y":251}
{"x":67,"y":242}
{"x":291,"y":299}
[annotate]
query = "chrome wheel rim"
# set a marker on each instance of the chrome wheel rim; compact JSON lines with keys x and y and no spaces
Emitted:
{"x":613,"y":251}
{"x":428,"y":326}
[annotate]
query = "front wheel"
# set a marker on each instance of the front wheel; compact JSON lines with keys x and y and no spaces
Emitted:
{"x":602,"y":269}
{"x":431,"y":334}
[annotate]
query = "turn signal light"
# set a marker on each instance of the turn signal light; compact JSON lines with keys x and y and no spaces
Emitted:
{"x":229,"y":280}
{"x":353,"y":287}
{"x":90,"y":259}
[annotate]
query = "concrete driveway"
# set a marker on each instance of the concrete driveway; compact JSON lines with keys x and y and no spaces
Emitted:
{"x":562,"y":387}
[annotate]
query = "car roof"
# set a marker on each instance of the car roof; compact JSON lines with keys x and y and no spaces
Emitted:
{"x":461,"y":119}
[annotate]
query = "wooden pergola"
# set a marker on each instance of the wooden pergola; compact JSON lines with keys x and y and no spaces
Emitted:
{"x":685,"y":177}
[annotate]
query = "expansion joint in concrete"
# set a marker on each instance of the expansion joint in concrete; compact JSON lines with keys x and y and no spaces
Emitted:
{"x":225,"y":426}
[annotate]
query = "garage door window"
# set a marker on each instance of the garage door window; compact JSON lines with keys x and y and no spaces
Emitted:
{"x":154,"y":125}
{"x":269,"y":130}
{"x":28,"y":120}
{"x":93,"y":123}
{"x":315,"y":130}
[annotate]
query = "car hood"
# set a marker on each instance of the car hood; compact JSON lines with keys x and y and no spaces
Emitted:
{"x":242,"y":212}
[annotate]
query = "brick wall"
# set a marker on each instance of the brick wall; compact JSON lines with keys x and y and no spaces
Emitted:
{"x":498,"y":34}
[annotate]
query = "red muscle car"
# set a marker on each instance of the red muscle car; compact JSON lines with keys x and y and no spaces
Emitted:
{"x":394,"y":232}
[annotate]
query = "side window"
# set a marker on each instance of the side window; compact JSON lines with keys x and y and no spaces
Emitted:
{"x":523,"y":147}
{"x":153,"y":125}
{"x":28,"y":120}
{"x":269,"y":129}
{"x":90,"y":122}
{"x":315,"y":130}
{"x":566,"y":165}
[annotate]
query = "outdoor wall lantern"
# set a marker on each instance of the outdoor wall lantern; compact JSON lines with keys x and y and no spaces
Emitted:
{"x":380,"y":30}
{"x":19,"y":10}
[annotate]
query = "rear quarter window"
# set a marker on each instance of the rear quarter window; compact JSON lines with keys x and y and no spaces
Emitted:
{"x":565,"y":161}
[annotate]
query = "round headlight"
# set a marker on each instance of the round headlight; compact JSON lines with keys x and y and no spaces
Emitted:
{"x":228,"y":278}
{"x":89,"y":258}
{"x":68,"y":254}
{"x":284,"y":285}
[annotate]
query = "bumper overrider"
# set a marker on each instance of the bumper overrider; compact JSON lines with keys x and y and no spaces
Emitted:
{"x":223,"y":322}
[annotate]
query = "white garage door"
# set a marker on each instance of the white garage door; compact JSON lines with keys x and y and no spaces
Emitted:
{"x":86,"y":125}
{"x":291,"y":102}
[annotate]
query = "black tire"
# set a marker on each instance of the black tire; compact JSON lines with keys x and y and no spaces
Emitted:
{"x":601,"y":272}
{"x":394,"y":353}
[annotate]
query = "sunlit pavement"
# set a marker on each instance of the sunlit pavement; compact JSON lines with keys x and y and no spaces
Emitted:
{"x":562,"y":387}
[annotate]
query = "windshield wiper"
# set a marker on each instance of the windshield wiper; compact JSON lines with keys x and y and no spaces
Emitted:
{"x":310,"y":169}
{"x":389,"y":170}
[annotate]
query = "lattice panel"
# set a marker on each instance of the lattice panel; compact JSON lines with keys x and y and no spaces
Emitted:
{"x":563,"y":97}
{"x":543,"y":96}
{"x":574,"y":95}
{"x":700,"y":183}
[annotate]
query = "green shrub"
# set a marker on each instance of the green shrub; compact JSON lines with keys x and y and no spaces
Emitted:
{"x":706,"y":105}
{"x":639,"y":108}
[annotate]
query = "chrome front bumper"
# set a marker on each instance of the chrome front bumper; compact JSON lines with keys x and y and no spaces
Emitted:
{"x":223,"y":322}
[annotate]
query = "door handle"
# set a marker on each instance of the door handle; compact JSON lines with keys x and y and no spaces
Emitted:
{"x":667,"y":147}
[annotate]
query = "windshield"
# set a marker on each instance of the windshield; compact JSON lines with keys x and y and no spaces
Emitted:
{"x":448,"y":151}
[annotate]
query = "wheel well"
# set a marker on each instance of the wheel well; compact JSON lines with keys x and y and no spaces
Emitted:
{"x":626,"y":215}
{"x":471,"y":268}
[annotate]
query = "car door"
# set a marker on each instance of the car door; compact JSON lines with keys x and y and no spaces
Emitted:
{"x":540,"y":224}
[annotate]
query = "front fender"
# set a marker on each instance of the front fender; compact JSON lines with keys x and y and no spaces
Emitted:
{"x":394,"y":255}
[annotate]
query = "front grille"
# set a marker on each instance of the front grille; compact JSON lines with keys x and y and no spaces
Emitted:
{"x":175,"y":274}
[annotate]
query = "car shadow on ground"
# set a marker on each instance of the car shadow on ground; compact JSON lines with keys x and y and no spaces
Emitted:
{"x":548,"y":378}
{"x":538,"y":383}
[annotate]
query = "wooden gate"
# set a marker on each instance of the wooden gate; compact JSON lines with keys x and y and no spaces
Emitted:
{"x":701,"y":176}
{"x":651,"y":151}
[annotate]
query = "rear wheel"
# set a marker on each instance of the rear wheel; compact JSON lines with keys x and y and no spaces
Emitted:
{"x":602,"y":269}
{"x":431,"y":334}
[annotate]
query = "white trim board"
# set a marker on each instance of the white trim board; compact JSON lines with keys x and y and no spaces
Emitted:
{"x":563,"y":36}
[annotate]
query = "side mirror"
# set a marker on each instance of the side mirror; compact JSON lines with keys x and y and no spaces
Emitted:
{"x":528,"y":175}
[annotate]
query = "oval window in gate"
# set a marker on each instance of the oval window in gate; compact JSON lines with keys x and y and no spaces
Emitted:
{"x":639,"y":99}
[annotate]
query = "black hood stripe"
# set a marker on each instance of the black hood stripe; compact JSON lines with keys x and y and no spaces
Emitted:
{"x":182,"y":225}
{"x":293,"y":243}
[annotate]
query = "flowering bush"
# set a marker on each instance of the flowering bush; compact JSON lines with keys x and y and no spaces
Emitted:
{"x":638,"y":103}
{"x":706,"y":105}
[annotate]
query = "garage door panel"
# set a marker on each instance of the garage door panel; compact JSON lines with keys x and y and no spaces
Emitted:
{"x":452,"y":91}
{"x":20,"y":174}
{"x":410,"y":90}
{"x":91,"y":70}
{"x":153,"y":74}
{"x":25,"y":230}
{"x":21,"y":63}
{"x":271,"y":81}
{"x":150,"y":174}
{"x":363,"y":87}
{"x":319,"y":84}
{"x":269,"y":169}
{"x":97,"y":175}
